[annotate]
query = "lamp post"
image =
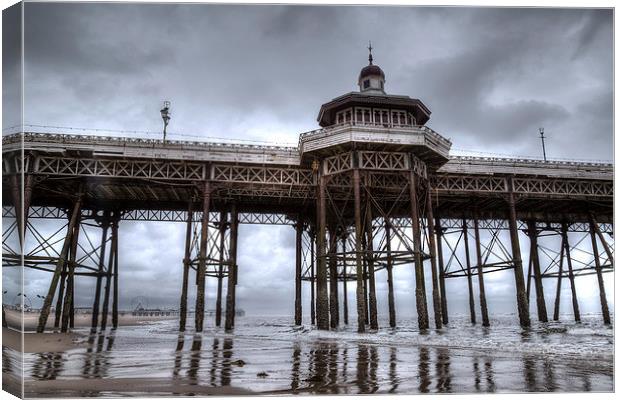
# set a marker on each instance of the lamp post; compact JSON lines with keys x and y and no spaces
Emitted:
{"x":542,"y":138}
{"x":165,"y":115}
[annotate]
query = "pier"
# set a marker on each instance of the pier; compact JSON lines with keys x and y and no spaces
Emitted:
{"x":374,"y":188}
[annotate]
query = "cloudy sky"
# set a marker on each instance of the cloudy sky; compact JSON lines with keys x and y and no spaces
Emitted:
{"x":491,"y":78}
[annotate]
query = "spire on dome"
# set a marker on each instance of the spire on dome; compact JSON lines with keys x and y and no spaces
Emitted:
{"x":369,"y":53}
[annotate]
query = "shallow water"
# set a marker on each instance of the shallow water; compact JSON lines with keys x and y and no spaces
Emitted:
{"x":270,"y":355}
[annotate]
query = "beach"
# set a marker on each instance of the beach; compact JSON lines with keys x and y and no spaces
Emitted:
{"x":269,"y":355}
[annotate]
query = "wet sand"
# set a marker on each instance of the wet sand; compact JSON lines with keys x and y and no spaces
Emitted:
{"x":42,"y":342}
{"x":270,"y":356}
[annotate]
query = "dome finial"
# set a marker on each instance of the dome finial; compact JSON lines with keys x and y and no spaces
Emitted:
{"x":369,"y":53}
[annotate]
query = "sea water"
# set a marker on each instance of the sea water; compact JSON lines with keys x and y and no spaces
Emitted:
{"x":270,"y":355}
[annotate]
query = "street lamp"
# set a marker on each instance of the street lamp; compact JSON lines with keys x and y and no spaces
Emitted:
{"x":165,"y":115}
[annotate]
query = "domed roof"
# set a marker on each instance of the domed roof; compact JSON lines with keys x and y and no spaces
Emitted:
{"x":371,"y":70}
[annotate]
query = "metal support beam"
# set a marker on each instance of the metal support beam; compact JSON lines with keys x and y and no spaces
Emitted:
{"x":442,"y":277}
{"x":483,"y":298}
{"x":105,"y":224}
{"x":298,"y":241}
{"x":108,"y":275}
{"x":334,"y":317}
{"x":372,"y":293}
{"x":535,"y":260}
{"x":420,"y":292}
{"x":470,"y":288}
{"x":345,"y":300}
{"x":599,"y":274}
{"x":322,"y":307}
{"x":47,"y":303}
{"x":186,"y":266}
{"x":359,"y":268}
{"x":558,"y":288}
{"x":571,"y":275}
{"x":312,"y":279}
{"x":220,"y":268}
{"x":522,"y":303}
{"x":431,"y":249}
{"x":390,"y":278}
{"x":115,"y":274}
{"x":68,"y":311}
{"x":202,"y":258}
{"x":232,"y":270}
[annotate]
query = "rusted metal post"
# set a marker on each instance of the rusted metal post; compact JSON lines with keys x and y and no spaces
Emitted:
{"x":345,"y":300}
{"x":106,"y":295}
{"x":105,"y":224}
{"x":312,"y":278}
{"x":599,"y":274}
{"x":298,"y":237}
{"x":390,"y":278}
{"x":115,"y":292}
{"x":558,"y":288}
{"x":202,"y":258}
{"x":334,"y":315}
{"x":571,"y":276}
{"x":322,"y":306}
{"x":420,"y":291}
{"x":232,"y":270}
{"x":522,"y":303}
{"x":186,"y":266}
{"x":359,"y":270}
{"x":67,"y":311}
{"x":431,"y":249}
{"x":472,"y":307}
{"x":541,"y":307}
{"x":220,"y":270}
{"x":483,"y":298}
{"x":372,"y":293}
{"x":442,"y":277}
{"x":47,"y":303}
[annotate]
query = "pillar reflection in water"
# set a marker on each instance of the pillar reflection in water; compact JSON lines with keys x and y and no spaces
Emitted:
{"x":194,"y":360}
{"x":424,"y":370}
{"x":442,"y":370}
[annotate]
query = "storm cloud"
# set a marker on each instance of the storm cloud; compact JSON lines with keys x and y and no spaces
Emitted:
{"x":491,"y":78}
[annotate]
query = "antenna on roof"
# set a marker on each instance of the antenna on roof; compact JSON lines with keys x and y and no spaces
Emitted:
{"x":542,"y":138}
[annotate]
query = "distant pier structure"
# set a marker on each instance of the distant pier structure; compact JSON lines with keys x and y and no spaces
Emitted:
{"x":374,"y":188}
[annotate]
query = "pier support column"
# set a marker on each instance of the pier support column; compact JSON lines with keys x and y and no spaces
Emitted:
{"x":359,"y":268}
{"x":322,"y":306}
{"x":47,"y":303}
{"x":345,"y":300}
{"x":186,"y":266}
{"x":67,"y":309}
{"x":108,"y":277}
{"x":432,"y":251}
{"x":202,"y":258}
{"x":472,"y":307}
{"x":442,"y":276}
{"x":420,"y":291}
{"x":390,"y":278}
{"x":558,"y":288}
{"x":232,"y":270}
{"x":571,"y":276}
{"x":372,"y":293}
{"x":115,"y":281}
{"x":105,"y":224}
{"x":334,"y":307}
{"x":522,"y":303}
{"x":298,"y":242}
{"x":312,"y":279}
{"x":541,"y":307}
{"x":599,"y":274}
{"x":220,"y":271}
{"x":484,"y":313}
